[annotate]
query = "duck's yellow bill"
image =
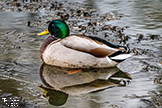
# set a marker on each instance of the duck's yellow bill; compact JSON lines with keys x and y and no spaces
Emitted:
{"x":44,"y":32}
{"x":44,"y":89}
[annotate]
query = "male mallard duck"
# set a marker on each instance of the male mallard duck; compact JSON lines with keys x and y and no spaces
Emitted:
{"x":77,"y":51}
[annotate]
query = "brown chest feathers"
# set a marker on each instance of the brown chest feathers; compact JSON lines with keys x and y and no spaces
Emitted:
{"x":46,"y":43}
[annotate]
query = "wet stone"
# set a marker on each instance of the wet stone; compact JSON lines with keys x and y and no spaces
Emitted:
{"x":28,"y":23}
{"x":153,"y":37}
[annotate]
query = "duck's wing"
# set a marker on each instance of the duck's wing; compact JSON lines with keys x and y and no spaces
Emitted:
{"x":89,"y":45}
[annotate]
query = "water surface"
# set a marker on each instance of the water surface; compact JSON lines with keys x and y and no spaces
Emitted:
{"x":145,"y":16}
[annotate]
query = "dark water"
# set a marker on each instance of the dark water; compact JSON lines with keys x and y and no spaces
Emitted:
{"x":20,"y":61}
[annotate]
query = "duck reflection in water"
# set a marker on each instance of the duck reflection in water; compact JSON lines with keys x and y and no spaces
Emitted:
{"x":59,"y":83}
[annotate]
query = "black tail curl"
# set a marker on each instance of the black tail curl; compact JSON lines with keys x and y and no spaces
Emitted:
{"x":127,"y":49}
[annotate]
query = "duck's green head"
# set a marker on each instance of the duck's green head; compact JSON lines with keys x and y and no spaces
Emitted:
{"x":58,"y":28}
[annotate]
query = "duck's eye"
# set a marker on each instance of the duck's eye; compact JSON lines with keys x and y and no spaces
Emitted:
{"x":53,"y":25}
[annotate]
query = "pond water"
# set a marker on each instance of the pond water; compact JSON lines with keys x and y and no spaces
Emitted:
{"x":22,"y":71}
{"x":145,"y":15}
